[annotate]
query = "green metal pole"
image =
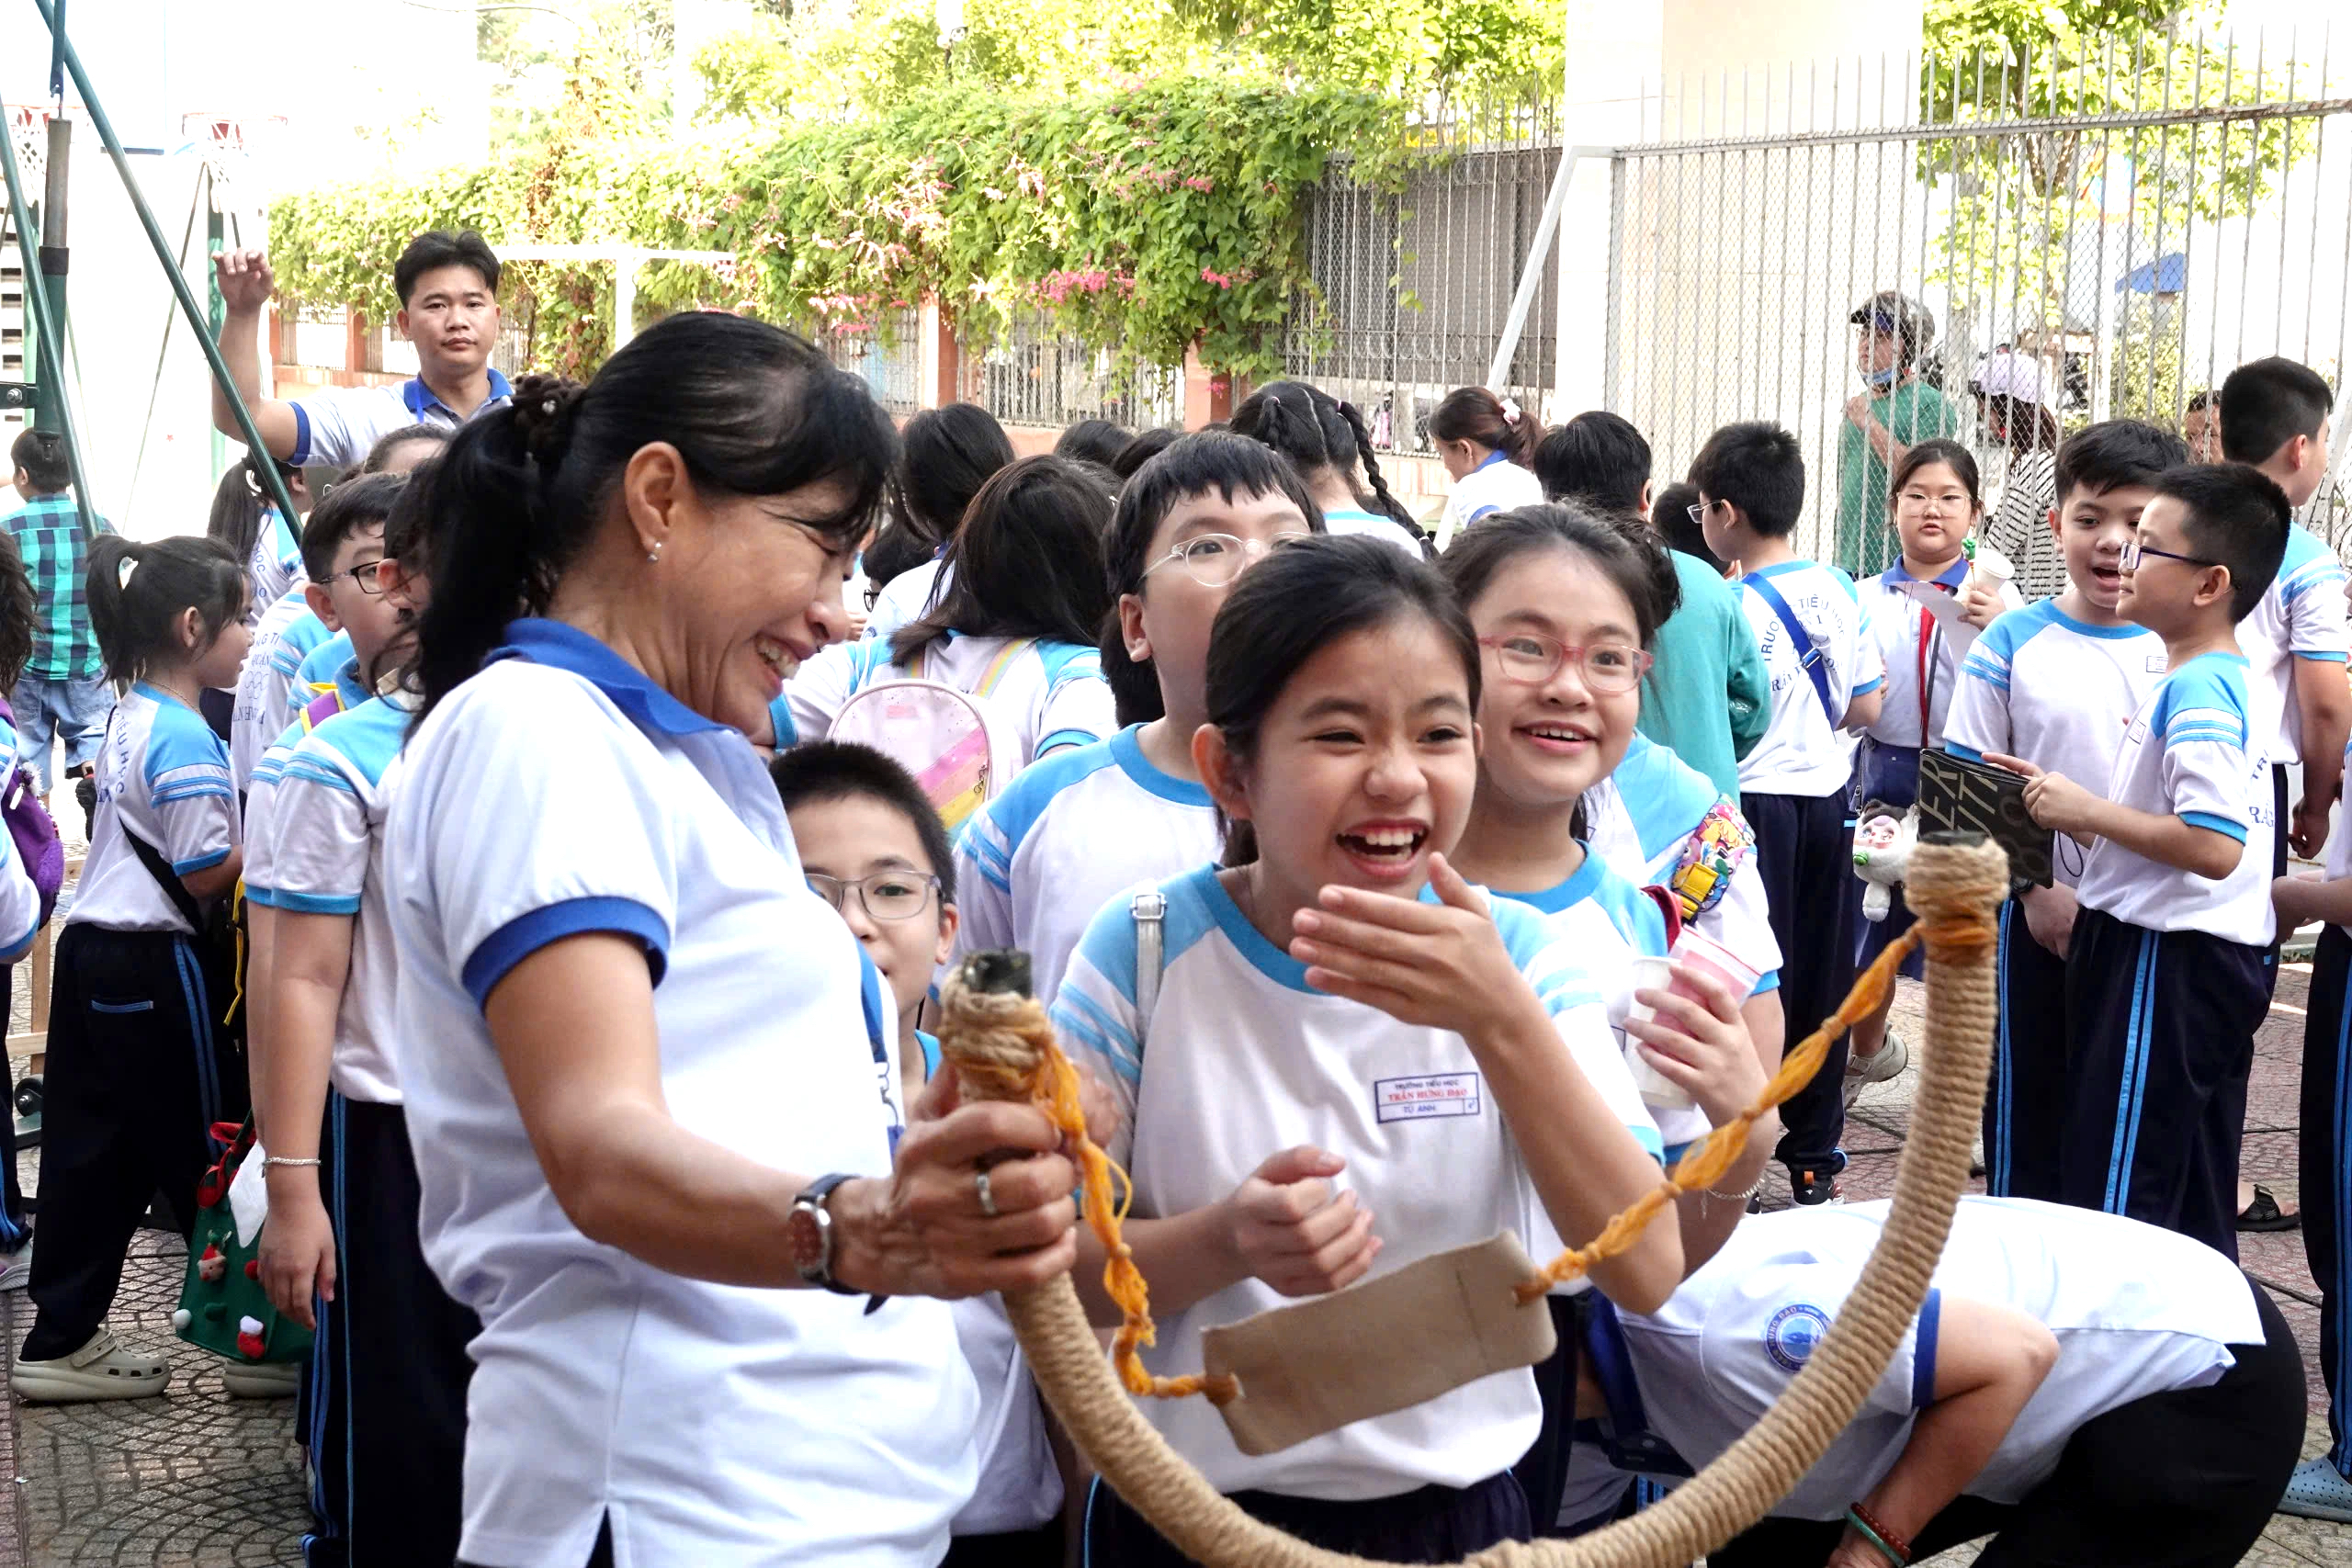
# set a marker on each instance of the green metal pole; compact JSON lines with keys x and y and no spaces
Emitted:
{"x":49,"y":398}
{"x":46,"y":333}
{"x":215,"y":311}
{"x":188,"y":307}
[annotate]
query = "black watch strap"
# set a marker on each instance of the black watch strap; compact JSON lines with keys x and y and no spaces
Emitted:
{"x":813,"y":1196}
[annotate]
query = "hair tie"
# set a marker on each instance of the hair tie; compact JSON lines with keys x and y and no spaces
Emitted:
{"x":545,"y":407}
{"x":1510,"y":410}
{"x":122,"y":572}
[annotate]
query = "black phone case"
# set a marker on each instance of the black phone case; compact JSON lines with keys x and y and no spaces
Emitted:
{"x":1956,"y":794}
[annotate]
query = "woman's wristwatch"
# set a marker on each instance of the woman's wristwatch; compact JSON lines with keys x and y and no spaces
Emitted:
{"x":808,"y":1230}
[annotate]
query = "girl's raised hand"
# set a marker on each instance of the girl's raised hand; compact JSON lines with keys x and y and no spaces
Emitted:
{"x":1440,"y":966}
{"x":1703,"y":1047}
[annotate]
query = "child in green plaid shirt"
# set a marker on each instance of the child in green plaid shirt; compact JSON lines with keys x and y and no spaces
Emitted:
{"x":61,"y":692}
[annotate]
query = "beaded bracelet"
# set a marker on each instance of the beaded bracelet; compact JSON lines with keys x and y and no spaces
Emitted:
{"x":287,"y":1159}
{"x":1891,"y":1546}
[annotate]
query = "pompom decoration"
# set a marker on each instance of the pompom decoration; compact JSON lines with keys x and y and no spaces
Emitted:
{"x":181,"y":1318}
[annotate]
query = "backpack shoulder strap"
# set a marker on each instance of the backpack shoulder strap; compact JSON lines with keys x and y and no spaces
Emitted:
{"x":167,"y":879}
{"x":1001,"y":662}
{"x":1150,"y":909}
{"x":1809,"y":659}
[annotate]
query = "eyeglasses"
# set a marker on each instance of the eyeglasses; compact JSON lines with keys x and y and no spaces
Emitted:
{"x":1699,"y":510}
{"x":1534,"y":658}
{"x":885,"y":895}
{"x":2134,"y":549}
{"x":364,"y":577}
{"x":1218,"y":560}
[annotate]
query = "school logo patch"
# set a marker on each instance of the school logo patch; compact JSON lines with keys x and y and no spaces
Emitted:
{"x":1790,"y":1338}
{"x":1439,"y":1094}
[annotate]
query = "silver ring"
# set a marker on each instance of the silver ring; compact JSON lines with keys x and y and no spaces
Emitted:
{"x":988,"y":1199}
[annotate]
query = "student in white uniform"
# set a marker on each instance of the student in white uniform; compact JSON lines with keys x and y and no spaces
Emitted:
{"x":2275,"y":415}
{"x":245,"y":520}
{"x":945,"y":457}
{"x":1326,"y":439}
{"x":1826,"y":681}
{"x":2168,"y":969}
{"x":631,"y":1040}
{"x":1015,"y":627}
{"x":2083,"y":1389}
{"x":138,"y":1073}
{"x":1934,"y":498}
{"x":1315,"y":998}
{"x":1566,"y":605}
{"x":387,"y":1394}
{"x":289,"y":630}
{"x":1488,"y":449}
{"x":19,"y":900}
{"x":2057,"y":683}
{"x":1038,"y":861}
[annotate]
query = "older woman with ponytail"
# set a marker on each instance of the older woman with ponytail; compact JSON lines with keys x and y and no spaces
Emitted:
{"x":650,"y":1093}
{"x":1488,"y":445}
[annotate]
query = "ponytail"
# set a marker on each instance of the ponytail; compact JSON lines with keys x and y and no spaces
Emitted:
{"x":524,"y":490}
{"x":1315,"y":430}
{"x":1388,"y":503}
{"x":138,"y":591}
{"x":240,"y":502}
{"x":1477,"y":415}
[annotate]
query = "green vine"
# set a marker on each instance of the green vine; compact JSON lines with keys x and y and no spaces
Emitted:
{"x":1146,"y":220}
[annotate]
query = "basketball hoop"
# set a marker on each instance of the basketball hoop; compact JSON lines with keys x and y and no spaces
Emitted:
{"x":28,"y":131}
{"x":229,"y":143}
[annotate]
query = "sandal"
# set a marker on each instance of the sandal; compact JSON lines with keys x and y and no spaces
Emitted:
{"x":2264,"y":1213}
{"x":2316,"y":1491}
{"x":102,"y":1368}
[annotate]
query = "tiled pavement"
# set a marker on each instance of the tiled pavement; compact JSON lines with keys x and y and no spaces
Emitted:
{"x":199,"y":1480}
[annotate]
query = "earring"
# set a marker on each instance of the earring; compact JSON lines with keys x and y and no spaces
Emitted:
{"x":653,"y":552}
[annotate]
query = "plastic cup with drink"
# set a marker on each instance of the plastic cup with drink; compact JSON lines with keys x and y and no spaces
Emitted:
{"x":1704,"y":955}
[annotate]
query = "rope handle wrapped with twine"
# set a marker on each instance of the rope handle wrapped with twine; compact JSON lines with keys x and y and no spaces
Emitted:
{"x":1003,"y":1049}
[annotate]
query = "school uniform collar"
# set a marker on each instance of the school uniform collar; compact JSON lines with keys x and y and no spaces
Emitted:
{"x":1126,"y":750}
{"x":1952,"y":577}
{"x":2084,"y":628}
{"x":1261,"y":955}
{"x":562,"y":647}
{"x":1567,"y":895}
{"x":419,"y":398}
{"x":1492,"y":459}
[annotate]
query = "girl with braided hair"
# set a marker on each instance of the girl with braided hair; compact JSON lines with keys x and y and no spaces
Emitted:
{"x":1326,"y":439}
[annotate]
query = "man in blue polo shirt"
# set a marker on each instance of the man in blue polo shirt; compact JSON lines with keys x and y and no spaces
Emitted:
{"x":448,"y":291}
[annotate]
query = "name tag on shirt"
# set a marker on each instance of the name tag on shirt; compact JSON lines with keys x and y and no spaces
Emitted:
{"x":2158,"y":663}
{"x":1439,"y":1094}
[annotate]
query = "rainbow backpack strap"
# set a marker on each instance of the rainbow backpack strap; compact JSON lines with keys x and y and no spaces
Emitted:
{"x":1718,"y":847}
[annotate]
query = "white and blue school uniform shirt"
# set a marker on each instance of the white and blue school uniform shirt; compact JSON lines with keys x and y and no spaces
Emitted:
{"x":163,"y":775}
{"x":908,"y":597}
{"x":710,"y":1424}
{"x":326,"y":816}
{"x":1047,"y":696}
{"x":1922,"y":669}
{"x":274,"y":568}
{"x":1641,"y":819}
{"x":1496,"y":485}
{"x":1241,"y":1059}
{"x":337,"y":426}
{"x":1608,"y":923}
{"x":2136,"y":1311}
{"x":1801,"y":751}
{"x":19,"y":900}
{"x":323,"y":664}
{"x":2055,"y":692}
{"x":287,"y":633}
{"x":261,"y":790}
{"x":1374,"y":525}
{"x":2187,"y":754}
{"x":2301,"y":617}
{"x":1071,"y":833}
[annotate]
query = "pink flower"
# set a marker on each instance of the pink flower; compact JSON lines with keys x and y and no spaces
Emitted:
{"x":1223,"y":280}
{"x":1200,"y":183}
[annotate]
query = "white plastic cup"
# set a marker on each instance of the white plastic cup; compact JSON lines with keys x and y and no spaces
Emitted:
{"x":1991,"y":570}
{"x":1695,"y":952}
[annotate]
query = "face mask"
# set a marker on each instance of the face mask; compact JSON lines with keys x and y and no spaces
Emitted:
{"x":1882,"y":380}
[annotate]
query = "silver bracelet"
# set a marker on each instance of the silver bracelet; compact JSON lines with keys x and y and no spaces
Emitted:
{"x":268,"y":1160}
{"x":1753,"y":1189}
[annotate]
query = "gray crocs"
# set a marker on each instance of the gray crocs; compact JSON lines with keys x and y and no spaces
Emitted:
{"x":2315,"y":1490}
{"x":103,"y":1369}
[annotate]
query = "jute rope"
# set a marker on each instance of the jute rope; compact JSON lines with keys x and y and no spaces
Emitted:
{"x":1954,"y":889}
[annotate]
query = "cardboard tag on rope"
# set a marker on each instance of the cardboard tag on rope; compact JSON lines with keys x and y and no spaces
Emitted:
{"x":1382,"y":1345}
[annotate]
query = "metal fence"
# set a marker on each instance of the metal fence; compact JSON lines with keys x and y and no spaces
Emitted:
{"x":2129,"y":219}
{"x":885,"y":352}
{"x":1034,"y":375}
{"x":1411,"y":287}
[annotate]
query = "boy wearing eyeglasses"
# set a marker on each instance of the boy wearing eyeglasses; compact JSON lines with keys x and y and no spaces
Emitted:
{"x":2057,"y":683}
{"x":2167,"y":972}
{"x":873,"y":846}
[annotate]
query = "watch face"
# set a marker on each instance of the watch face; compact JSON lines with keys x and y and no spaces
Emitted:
{"x":806,"y":1235}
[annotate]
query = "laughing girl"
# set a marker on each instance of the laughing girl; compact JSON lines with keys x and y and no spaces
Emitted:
{"x":1351,"y":1060}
